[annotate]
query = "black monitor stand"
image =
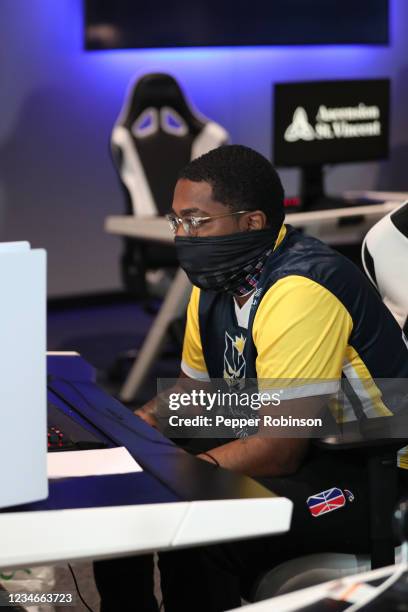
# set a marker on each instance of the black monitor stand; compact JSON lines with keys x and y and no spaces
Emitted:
{"x":313,"y":198}
{"x":312,"y":194}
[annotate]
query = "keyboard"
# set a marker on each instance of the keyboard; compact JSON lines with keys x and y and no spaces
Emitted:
{"x":57,"y":440}
{"x":66,"y":434}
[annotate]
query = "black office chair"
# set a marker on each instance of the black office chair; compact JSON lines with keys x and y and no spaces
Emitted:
{"x":156,"y":134}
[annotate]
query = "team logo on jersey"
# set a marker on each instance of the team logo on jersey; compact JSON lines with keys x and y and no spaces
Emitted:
{"x":326,"y":501}
{"x":234,"y":360}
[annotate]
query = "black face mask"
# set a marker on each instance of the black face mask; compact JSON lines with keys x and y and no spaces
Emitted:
{"x":222,"y":263}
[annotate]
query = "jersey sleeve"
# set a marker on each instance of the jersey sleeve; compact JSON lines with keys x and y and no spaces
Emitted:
{"x":192,"y":361}
{"x":301,"y":332}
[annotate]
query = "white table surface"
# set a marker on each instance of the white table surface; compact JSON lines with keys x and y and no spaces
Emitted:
{"x":322,"y":223}
{"x":41,"y":537}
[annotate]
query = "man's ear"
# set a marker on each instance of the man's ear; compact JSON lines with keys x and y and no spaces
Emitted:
{"x":253,"y":220}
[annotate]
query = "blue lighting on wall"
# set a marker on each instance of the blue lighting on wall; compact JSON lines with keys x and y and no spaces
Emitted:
{"x":228,"y":84}
{"x":65,"y":19}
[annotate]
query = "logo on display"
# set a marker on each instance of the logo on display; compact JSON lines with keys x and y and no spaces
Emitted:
{"x":334,"y":123}
{"x":300,"y":128}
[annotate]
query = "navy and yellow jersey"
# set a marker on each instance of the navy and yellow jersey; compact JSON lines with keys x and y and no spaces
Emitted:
{"x":314,"y":317}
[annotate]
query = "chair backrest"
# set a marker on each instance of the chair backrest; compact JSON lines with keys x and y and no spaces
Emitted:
{"x":385,"y":258}
{"x":156,"y":134}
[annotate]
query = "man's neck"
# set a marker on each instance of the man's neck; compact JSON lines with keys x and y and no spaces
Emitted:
{"x":243,"y":299}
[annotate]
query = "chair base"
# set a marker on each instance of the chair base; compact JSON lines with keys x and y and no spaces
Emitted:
{"x":308,"y":571}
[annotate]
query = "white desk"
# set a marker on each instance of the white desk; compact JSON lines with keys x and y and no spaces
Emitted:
{"x":323,"y":224}
{"x":176,"y":501}
{"x":157,"y":228}
{"x":29,"y":538}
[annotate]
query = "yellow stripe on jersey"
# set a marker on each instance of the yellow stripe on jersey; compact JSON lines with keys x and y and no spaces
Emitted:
{"x":360,"y":379}
{"x":281,"y":235}
{"x":339,"y":410}
{"x":301,"y":331}
{"x":192,"y":349}
{"x":402,"y":458}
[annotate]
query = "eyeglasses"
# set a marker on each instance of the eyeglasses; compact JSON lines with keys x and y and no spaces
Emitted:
{"x":191,"y":224}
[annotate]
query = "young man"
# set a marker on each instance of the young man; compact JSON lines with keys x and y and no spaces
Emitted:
{"x":270,"y":303}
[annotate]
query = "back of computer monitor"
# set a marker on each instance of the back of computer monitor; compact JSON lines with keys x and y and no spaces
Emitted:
{"x":23,"y":415}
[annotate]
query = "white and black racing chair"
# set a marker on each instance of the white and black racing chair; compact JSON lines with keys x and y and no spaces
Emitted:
{"x":385,"y":260}
{"x":155,"y":135}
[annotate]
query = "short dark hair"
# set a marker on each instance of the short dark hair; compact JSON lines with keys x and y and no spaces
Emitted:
{"x":241,"y":179}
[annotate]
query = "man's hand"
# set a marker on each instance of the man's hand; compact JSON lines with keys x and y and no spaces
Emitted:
{"x":146,"y":413}
{"x":149,"y":412}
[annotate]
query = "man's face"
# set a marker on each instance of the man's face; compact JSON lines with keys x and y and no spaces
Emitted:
{"x":193,"y":199}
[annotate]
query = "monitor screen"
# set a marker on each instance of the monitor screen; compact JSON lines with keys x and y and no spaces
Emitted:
{"x":126,"y":24}
{"x":324,"y":122}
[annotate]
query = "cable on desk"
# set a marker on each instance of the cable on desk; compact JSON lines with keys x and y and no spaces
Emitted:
{"x":213,"y":459}
{"x":77,"y":588}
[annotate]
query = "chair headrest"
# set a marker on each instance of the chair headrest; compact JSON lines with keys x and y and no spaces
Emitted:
{"x":158,"y":90}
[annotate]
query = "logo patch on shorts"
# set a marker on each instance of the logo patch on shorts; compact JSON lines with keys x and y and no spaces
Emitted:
{"x":326,"y":501}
